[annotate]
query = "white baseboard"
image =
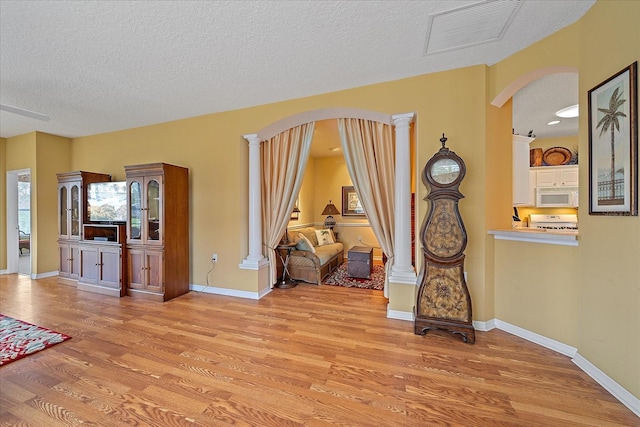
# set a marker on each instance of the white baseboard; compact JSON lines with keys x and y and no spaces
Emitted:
{"x":619,"y":392}
{"x":536,"y":338}
{"x":616,"y":390}
{"x":484,"y":326}
{"x":399,"y":315}
{"x":44,"y":275}
{"x":4,"y":272}
{"x":229,"y":292}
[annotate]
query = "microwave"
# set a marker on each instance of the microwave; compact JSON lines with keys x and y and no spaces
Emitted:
{"x":557,"y":197}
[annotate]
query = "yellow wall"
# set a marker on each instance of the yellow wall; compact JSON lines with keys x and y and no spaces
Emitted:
{"x":52,"y":152}
{"x":608,"y":268}
{"x":20,"y":154}
{"x":331,"y":175}
{"x":498,"y":184}
{"x":44,"y":155}
{"x":3,"y":204}
{"x":213,"y":149}
{"x":558,"y":49}
{"x":599,"y":310}
{"x":537,"y":288}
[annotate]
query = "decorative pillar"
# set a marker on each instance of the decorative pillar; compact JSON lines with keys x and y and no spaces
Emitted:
{"x":255,"y":259}
{"x":402,"y":271}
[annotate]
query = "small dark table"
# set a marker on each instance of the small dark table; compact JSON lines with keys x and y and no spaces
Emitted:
{"x":284,"y":252}
{"x":360,"y":263}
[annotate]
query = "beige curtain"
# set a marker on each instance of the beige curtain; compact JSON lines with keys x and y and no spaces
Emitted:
{"x":369,"y":151}
{"x":284,"y":159}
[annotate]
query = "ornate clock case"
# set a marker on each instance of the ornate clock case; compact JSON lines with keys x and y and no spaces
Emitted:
{"x":443,"y":300}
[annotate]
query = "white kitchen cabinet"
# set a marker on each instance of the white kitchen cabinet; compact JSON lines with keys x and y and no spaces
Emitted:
{"x":556,"y":176}
{"x":532,"y":188}
{"x":521,"y":184}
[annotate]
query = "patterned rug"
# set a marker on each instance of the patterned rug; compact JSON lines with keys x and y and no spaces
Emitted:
{"x":340,"y":277}
{"x":19,"y":339}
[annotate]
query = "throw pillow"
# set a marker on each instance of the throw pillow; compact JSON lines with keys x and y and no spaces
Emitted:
{"x":304,"y":244}
{"x":325,"y":237}
{"x":309,"y":233}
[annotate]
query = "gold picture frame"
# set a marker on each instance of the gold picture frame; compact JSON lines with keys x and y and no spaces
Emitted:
{"x":351,"y":205}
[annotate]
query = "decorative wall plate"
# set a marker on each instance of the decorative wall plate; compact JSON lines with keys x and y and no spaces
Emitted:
{"x":557,"y":156}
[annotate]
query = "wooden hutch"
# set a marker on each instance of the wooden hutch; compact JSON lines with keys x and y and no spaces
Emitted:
{"x":72,"y":215}
{"x":157,"y":231}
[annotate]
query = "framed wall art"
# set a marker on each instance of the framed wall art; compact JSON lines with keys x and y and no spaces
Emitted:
{"x":613,"y":145}
{"x":351,"y":205}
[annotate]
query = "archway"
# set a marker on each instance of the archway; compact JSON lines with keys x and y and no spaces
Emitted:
{"x":402,"y":270}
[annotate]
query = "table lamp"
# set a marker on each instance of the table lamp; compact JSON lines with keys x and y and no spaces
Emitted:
{"x":330,"y":210}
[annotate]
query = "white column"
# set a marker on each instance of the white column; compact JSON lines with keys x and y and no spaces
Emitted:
{"x":255,"y":259}
{"x":402,"y":271}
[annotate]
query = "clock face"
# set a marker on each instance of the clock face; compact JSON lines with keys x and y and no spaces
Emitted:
{"x":445,"y":171}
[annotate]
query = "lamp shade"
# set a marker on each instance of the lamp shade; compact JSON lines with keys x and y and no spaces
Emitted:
{"x":330,"y":209}
{"x":295,"y":214}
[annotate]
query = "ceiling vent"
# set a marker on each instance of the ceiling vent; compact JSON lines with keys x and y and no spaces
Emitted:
{"x":471,"y":25}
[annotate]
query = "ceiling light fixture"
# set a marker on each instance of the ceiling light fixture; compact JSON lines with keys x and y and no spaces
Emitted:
{"x":553,"y":122}
{"x":568,"y":112}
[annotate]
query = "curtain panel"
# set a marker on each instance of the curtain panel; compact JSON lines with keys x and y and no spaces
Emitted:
{"x":284,"y":159}
{"x":369,"y":151}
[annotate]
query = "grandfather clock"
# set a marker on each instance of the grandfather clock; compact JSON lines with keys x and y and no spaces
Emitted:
{"x":443,"y":297}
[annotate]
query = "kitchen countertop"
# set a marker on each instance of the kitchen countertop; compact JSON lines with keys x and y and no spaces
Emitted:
{"x":535,"y":235}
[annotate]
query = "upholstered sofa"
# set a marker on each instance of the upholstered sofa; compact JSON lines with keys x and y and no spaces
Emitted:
{"x":311,"y":261}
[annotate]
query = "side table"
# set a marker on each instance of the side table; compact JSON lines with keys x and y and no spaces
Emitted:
{"x":284,"y":252}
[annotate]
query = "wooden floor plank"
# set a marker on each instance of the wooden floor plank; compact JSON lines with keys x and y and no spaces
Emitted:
{"x":307,"y":356}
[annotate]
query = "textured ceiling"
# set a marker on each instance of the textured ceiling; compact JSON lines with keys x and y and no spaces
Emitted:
{"x":100,"y":66}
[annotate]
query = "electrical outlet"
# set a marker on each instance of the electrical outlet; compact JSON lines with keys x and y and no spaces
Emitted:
{"x":214,"y":257}
{"x":360,"y":238}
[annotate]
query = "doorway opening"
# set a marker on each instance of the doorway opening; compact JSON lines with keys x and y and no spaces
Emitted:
{"x":19,"y":242}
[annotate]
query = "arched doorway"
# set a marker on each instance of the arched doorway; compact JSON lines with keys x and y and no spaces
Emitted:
{"x":402,"y":270}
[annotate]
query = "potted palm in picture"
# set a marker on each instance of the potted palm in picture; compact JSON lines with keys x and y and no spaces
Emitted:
{"x":613,"y":145}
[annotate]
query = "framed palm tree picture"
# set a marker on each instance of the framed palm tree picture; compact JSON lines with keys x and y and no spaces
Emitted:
{"x":613,"y":145}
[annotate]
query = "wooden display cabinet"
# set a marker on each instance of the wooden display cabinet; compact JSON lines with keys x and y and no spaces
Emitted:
{"x":102,"y":260}
{"x":72,"y":215}
{"x":157,"y":231}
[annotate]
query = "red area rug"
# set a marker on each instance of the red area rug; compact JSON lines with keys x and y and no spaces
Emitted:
{"x":19,"y":339}
{"x":340,"y":277}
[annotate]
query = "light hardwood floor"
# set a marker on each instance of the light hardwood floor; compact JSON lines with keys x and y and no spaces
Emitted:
{"x":306,"y":356}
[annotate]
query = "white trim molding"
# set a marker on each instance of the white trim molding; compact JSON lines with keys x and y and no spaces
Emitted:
{"x":44,"y":275}
{"x":549,"y":343}
{"x":616,"y":390}
{"x":229,"y":292}
{"x":619,"y":392}
{"x":399,"y":315}
{"x":536,"y":236}
{"x":484,"y":326}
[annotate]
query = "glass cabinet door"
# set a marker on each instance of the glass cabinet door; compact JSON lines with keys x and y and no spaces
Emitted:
{"x":75,"y":210}
{"x":135,"y":211}
{"x":63,"y":210}
{"x":153,"y":210}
